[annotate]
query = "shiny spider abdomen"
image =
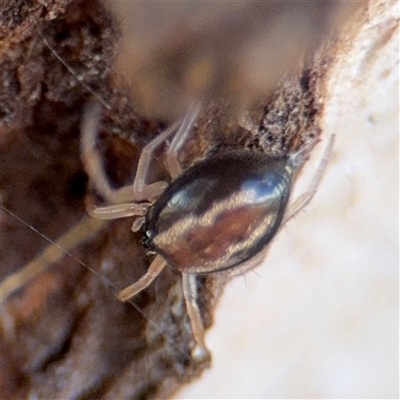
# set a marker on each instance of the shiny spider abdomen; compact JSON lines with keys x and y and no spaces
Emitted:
{"x":220,"y":212}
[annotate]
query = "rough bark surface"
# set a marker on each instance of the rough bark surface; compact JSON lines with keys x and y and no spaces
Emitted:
{"x":63,"y":333}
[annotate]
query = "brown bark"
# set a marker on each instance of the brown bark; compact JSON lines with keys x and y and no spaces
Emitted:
{"x":64,"y":334}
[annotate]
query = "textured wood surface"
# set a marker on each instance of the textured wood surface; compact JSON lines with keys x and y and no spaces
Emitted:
{"x":63,"y":333}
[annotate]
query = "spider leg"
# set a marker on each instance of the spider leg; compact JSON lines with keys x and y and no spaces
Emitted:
{"x":119,"y":210}
{"x":123,"y":199}
{"x":78,"y":234}
{"x":172,"y":160}
{"x":304,"y":199}
{"x":157,"y":265}
{"x":200,"y":351}
{"x":142,"y":191}
{"x":92,"y":160}
{"x":299,"y":204}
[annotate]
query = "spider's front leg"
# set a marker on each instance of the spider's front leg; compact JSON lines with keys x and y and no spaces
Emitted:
{"x":128,"y":200}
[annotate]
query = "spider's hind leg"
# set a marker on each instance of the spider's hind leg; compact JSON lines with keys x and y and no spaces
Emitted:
{"x":305,"y":198}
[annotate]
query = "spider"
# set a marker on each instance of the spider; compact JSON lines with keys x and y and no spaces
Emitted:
{"x":217,"y":215}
